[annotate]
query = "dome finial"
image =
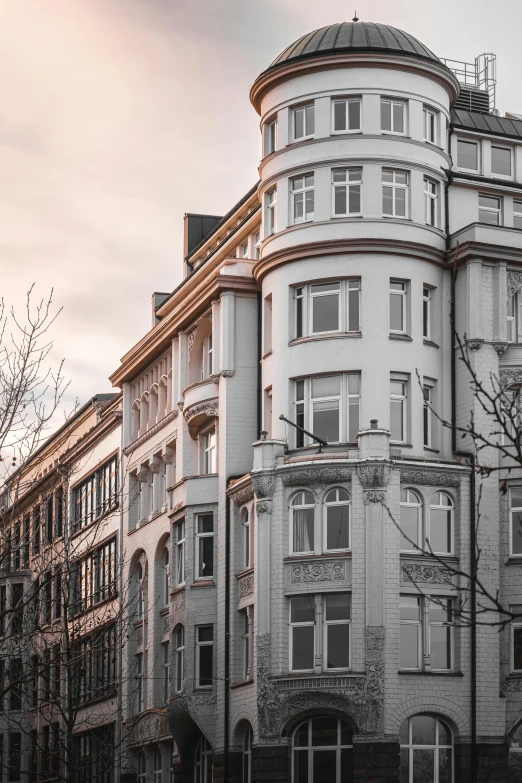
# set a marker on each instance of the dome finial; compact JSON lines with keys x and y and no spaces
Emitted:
{"x":355,"y":18}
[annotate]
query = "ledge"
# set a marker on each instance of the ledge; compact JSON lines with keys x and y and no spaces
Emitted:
{"x":326,"y":336}
{"x":432,"y":451}
{"x":324,"y":556}
{"x":237,"y":685}
{"x":245,"y":572}
{"x":514,"y":561}
{"x":178,"y":590}
{"x":430,"y":343}
{"x":404,"y":337}
{"x":204,"y":583}
{"x":431,"y":674}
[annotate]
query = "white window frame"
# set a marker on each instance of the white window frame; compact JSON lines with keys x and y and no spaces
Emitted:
{"x":270,"y":136}
{"x":346,"y":102}
{"x":440,"y":623}
{"x":199,"y":645}
{"x":411,"y":747}
{"x":347,"y":185}
{"x":431,"y":202}
{"x":511,"y":161}
{"x":158,"y":771}
{"x":199,"y":535}
{"x":430,"y":117}
{"x":394,"y":103}
{"x":395,"y":187}
{"x":328,"y":398}
{"x":511,"y":510}
{"x":296,"y":507}
{"x":517,"y":213}
{"x":179,"y":534}
{"x":306,"y":624}
{"x":297,"y":193}
{"x":403,"y":294}
{"x":210,"y":451}
{"x":413,"y":504}
{"x":246,"y":638}
{"x":142,"y":767}
{"x":165,"y":647}
{"x":257,"y":245}
{"x":309,"y":749}
{"x":304,"y":407}
{"x":424,"y":625}
{"x":140,"y":682}
{"x":326,"y":625}
{"x":418,"y":624}
{"x":244,"y":249}
{"x":308,"y":132}
{"x":271,"y":212}
{"x":334,"y":503}
{"x":426,"y":312}
{"x":320,"y":626}
{"x":179,"y":652}
{"x":166,"y":575}
{"x":350,"y":292}
{"x":490,"y":210}
{"x":246,"y":760}
{"x":516,"y":625}
{"x":404,"y":398}
{"x":247,"y":540}
{"x":428,"y":391}
{"x":478,"y":148}
{"x":451,"y":509}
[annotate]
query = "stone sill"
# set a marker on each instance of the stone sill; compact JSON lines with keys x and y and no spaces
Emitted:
{"x":204,"y":583}
{"x":323,"y":556}
{"x":326,"y":336}
{"x":405,"y":337}
{"x":431,"y":674}
{"x":245,"y":572}
{"x":430,"y":343}
{"x":179,"y":589}
{"x":514,"y":560}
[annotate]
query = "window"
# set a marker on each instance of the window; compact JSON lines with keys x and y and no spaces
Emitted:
{"x":427,"y":413}
{"x":47,"y":597}
{"x":16,"y":681}
{"x":346,"y":185}
{"x":204,"y":655}
{"x":49,"y":519}
{"x":515,"y":521}
{"x":394,"y":193}
{"x":257,"y":245}
{"x":321,"y":308}
{"x":245,"y":522}
{"x":440,"y":531}
{"x":302,"y":196}
{"x":244,"y":251}
{"x":429,"y":125}
{"x":517,"y":214}
{"x":411,"y":521}
{"x":94,"y":496}
{"x":140,"y":684}
{"x":25,"y":545}
{"x":346,"y":115}
{"x":271,"y":206}
{"x":489,"y":209}
{"x":17,"y":605}
{"x":267,"y":325}
{"x":3,"y":609}
{"x":179,"y":644}
{"x":14,"y":760}
{"x":303,"y":122}
{"x":398,"y":301}
{"x":303,"y":523}
{"x":94,"y":666}
{"x":430,"y":201}
{"x":210,"y":452}
{"x":166,"y":577}
{"x":426,"y":313}
{"x":306,"y":614}
{"x":467,"y":155}
{"x":426,"y":750}
{"x":337,"y":522}
{"x":392,"y":116}
{"x":203,"y":762}
{"x":142,"y":767}
{"x":166,"y":670}
{"x":513,"y":317}
{"x":398,"y":401}
{"x":94,"y":755}
{"x":204,"y":546}
{"x":270,"y":137}
{"x":246,"y":644}
{"x":93,"y":579}
{"x":501,"y":161}
{"x":329,"y":406}
{"x":36,"y":530}
{"x":515,"y":754}
{"x":179,"y":535}
{"x":322,"y":750}
{"x":158,"y":771}
{"x":516,"y":639}
{"x":140,"y":591}
{"x":246,"y":766}
{"x":426,"y":631}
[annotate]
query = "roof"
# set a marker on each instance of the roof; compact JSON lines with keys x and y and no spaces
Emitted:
{"x":356,"y":37}
{"x":487,"y":123}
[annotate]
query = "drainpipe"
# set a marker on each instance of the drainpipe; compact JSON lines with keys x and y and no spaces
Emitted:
{"x":259,"y":360}
{"x":471,"y":457}
{"x":119,"y":732}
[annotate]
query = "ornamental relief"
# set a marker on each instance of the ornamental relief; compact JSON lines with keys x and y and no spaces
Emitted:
{"x":304,"y":477}
{"x":243,"y":496}
{"x":148,"y":728}
{"x":264,"y":484}
{"x":430,"y":478}
{"x":209,"y":408}
{"x":510,"y":376}
{"x":426,"y":574}
{"x":326,"y":571}
{"x":374,"y":475}
{"x":246,"y":586}
{"x":514,"y":283}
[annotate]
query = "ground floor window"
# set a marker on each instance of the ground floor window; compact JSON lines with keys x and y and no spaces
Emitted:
{"x":426,"y":750}
{"x":322,"y":751}
{"x":94,"y":755}
{"x":203,"y":762}
{"x":515,"y":756}
{"x":246,"y":771}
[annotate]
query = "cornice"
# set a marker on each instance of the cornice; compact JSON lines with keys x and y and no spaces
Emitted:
{"x":295,"y":68}
{"x":343,"y":246}
{"x":483,"y":250}
{"x":153,"y":430}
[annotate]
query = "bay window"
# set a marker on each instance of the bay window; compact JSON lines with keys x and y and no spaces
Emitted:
{"x":346,"y":186}
{"x":325,"y":307}
{"x":346,"y":115}
{"x":302,"y":198}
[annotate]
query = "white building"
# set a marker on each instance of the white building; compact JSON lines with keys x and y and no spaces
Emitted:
{"x":285,"y":625}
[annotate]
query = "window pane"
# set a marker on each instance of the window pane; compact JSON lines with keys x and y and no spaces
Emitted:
{"x":501,"y":161}
{"x":409,"y":607}
{"x":298,"y":123}
{"x":398,"y":117}
{"x":353,"y":311}
{"x":303,"y":610}
{"x":325,"y":313}
{"x":440,"y":647}
{"x":386,"y":115}
{"x":491,"y":218}
{"x":324,"y":765}
{"x":405,"y":765}
{"x":309,"y":203}
{"x":423,"y":730}
{"x":445,"y":766}
{"x":409,"y":646}
{"x":303,"y":519}
{"x":400,"y":202}
{"x":467,"y":155}
{"x":396,"y":312}
{"x":346,"y":765}
{"x":440,"y":530}
{"x":515,"y":495}
{"x":326,"y":420}
{"x":338,"y":643}
{"x":338,"y":606}
{"x":387,"y":201}
{"x":340,"y":201}
{"x":353,"y":419}
{"x":324,"y":731}
{"x":409,"y":527}
{"x":298,"y":206}
{"x":205,"y":633}
{"x":491,"y":202}
{"x":206,"y":556}
{"x":339,"y":115}
{"x":337,"y":522}
{"x":516,"y":532}
{"x":329,"y":386}
{"x":206,"y":523}
{"x":354,"y":115}
{"x":397,"y":420}
{"x":310,"y":122}
{"x":424,"y":765}
{"x":517,"y":648}
{"x":301,"y":766}
{"x":205,"y":665}
{"x":303,"y":647}
{"x":355,"y":199}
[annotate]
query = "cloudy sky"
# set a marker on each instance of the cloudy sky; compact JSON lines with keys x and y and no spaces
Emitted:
{"x":118,"y":116}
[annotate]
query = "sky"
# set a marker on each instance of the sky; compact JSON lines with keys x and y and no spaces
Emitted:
{"x":118,"y":116}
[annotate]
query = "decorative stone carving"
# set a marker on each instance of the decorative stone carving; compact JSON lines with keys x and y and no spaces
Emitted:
{"x":168,"y":457}
{"x":314,"y":475}
{"x":326,"y":571}
{"x":475,"y":344}
{"x":243,"y":496}
{"x":359,"y":696}
{"x":514,"y":282}
{"x":177,"y":507}
{"x":426,"y":574}
{"x":143,"y":474}
{"x":227,"y":373}
{"x":166,"y":625}
{"x":430,"y":478}
{"x":154,"y":467}
{"x":374,"y":496}
{"x":501,"y":347}
{"x":374,"y":474}
{"x":207,"y":408}
{"x":148,"y":728}
{"x":177,"y":604}
{"x":139,"y":636}
{"x":190,"y":341}
{"x":264,"y":507}
{"x":246,"y":586}
{"x":512,"y":686}
{"x":510,"y":376}
{"x":264,"y":484}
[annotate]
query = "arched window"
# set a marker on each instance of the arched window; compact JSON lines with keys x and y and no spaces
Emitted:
{"x":411,"y":521}
{"x":179,"y":651}
{"x":140,"y":595}
{"x":166,"y":577}
{"x":303,"y":522}
{"x":203,"y":762}
{"x":245,"y":521}
{"x":440,"y":534}
{"x":426,"y":750}
{"x":337,"y":526}
{"x":322,"y":751}
{"x":246,"y":769}
{"x":515,"y":755}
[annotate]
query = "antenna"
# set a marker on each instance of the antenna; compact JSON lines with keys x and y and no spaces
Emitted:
{"x":355,"y":18}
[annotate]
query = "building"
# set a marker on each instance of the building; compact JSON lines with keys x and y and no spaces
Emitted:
{"x":60,"y":604}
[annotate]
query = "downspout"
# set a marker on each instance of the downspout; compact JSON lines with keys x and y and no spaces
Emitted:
{"x":472,"y":515}
{"x":259,"y":361}
{"x":119,"y":733}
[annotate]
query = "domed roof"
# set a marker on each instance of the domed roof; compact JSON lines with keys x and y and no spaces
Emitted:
{"x":354,"y":37}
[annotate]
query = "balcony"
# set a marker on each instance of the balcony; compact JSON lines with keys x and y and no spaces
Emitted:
{"x":499,"y":240}
{"x":201,"y":403}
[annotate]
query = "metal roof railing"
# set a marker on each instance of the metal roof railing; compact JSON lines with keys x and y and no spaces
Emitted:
{"x":480,"y":75}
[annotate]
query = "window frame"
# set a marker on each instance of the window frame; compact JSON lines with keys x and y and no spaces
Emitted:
{"x":179,"y":658}
{"x":517,"y":214}
{"x":308,"y":749}
{"x":304,"y":406}
{"x":271,"y":212}
{"x":302,"y":192}
{"x":246,"y":755}
{"x":478,"y":147}
{"x":428,"y":394}
{"x":451,"y":509}
{"x":179,"y":543}
{"x":394,"y":102}
{"x":165,"y":664}
{"x":431,"y":202}
{"x":511,"y":510}
{"x":303,"y":624}
{"x":346,"y":101}
{"x":326,"y":504}
{"x":270,"y":136}
{"x":294,"y":506}
{"x":427,"y":302}
{"x":199,"y":645}
{"x":349,"y":297}
{"x":347,"y":185}
{"x":490,"y":210}
{"x":98,"y":503}
{"x":404,"y":398}
{"x":327,"y":624}
{"x":247,"y":538}
{"x":198,"y":536}
{"x":210,"y":454}
{"x":395,"y":186}
{"x":306,"y":130}
{"x":402,"y":294}
{"x":427,"y":113}
{"x":320,"y":631}
{"x":246,"y":638}
{"x":410,"y":747}
{"x":511,"y":161}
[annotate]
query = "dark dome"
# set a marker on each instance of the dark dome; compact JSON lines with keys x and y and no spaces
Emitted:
{"x":354,"y":37}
